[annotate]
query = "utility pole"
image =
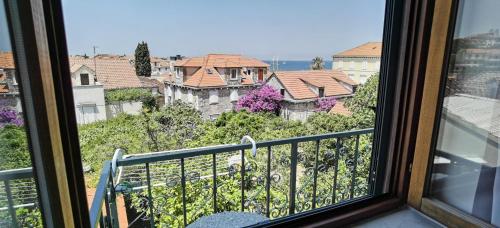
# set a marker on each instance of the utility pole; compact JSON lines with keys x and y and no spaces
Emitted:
{"x":95,"y":65}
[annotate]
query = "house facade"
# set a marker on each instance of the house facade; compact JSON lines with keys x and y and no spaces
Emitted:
{"x":9,"y":90}
{"x":359,"y":63}
{"x":213,"y":84}
{"x":88,"y":95}
{"x":93,"y":78}
{"x":302,"y":89}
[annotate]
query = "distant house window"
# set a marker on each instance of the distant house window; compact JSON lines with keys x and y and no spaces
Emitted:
{"x":282,"y":92}
{"x":84,"y":79}
{"x":364,"y":65}
{"x":321,"y":92}
{"x":234,"y":74}
{"x":209,"y":71}
{"x":213,"y":97}
{"x":351,"y":65}
{"x":234,"y":95}
{"x":190,"y":96}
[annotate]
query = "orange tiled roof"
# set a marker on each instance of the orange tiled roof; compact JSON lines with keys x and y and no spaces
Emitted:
{"x":7,"y":60}
{"x":370,"y":49}
{"x":296,"y":83}
{"x":221,"y":60}
{"x":201,"y":78}
{"x":4,"y":88}
{"x":339,"y":108}
{"x":113,"y":72}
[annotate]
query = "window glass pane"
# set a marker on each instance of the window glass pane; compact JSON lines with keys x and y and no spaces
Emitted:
{"x":18,"y":195}
{"x":224,"y":83}
{"x":466,"y":172}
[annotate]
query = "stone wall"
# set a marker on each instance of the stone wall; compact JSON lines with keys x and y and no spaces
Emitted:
{"x":200,"y":99}
{"x":297,"y":111}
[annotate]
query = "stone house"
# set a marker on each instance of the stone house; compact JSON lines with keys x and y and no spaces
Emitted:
{"x":212,"y":84}
{"x":9,"y":90}
{"x":302,"y":89}
{"x":359,"y":63}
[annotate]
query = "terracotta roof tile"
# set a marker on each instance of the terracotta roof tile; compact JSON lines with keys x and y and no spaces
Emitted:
{"x":339,"y":108}
{"x":7,"y":60}
{"x":370,"y":49}
{"x":221,"y":60}
{"x":201,"y":78}
{"x":113,"y":72}
{"x":296,"y":83}
{"x":4,"y":88}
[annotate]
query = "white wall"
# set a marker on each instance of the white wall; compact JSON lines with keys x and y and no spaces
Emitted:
{"x":89,"y":103}
{"x":117,"y":107}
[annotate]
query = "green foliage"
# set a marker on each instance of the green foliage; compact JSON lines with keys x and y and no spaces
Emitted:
{"x":132,"y":94}
{"x":14,"y":152}
{"x":29,"y":217}
{"x":99,"y":140}
{"x":173,"y":127}
{"x":142,"y":60}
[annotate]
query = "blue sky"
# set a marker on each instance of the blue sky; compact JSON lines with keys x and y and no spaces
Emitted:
{"x":290,"y":29}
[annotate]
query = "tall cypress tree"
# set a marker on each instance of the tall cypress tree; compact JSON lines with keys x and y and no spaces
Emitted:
{"x":142,"y":61}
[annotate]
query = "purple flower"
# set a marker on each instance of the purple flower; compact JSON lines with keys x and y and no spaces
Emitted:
{"x":325,"y":104}
{"x":265,"y":99}
{"x":9,"y":116}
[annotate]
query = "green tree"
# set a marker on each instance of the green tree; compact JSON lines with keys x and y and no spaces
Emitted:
{"x":142,"y":60}
{"x":317,"y":63}
{"x":14,"y":152}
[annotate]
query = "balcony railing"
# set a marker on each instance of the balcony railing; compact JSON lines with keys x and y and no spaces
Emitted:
{"x":272,"y":178}
{"x":18,"y":198}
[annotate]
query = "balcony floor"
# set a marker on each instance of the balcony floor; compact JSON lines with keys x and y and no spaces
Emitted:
{"x":403,"y":217}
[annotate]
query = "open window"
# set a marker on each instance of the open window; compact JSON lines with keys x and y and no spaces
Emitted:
{"x":156,"y":166}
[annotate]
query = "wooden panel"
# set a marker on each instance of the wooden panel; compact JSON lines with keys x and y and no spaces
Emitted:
{"x":434,"y":69}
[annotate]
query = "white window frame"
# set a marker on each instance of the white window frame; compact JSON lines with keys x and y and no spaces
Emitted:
{"x":234,"y":95}
{"x":213,"y":96}
{"x":364,"y":65}
{"x":235,"y":74}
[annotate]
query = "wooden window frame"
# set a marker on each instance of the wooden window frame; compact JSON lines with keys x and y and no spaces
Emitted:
{"x":443,"y":26}
{"x":406,"y":35}
{"x":39,"y":47}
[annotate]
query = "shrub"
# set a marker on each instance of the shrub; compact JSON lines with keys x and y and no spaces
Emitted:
{"x":264,"y":99}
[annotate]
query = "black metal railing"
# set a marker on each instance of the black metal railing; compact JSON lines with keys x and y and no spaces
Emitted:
{"x":18,"y":199}
{"x":281,"y":177}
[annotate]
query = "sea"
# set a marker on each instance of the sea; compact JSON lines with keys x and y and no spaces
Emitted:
{"x":289,"y":65}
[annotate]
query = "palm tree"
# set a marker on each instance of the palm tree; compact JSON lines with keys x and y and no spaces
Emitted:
{"x":317,"y":64}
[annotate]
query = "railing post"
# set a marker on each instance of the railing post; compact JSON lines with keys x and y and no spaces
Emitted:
{"x":242,"y":180}
{"x":268,"y":182}
{"x":112,"y":201}
{"x":355,"y":166}
{"x":183,"y":183}
{"x":12,"y":211}
{"x":214,"y":171}
{"x":293,"y":177}
{"x":150,"y":197}
{"x":315,"y":174}
{"x":336,"y":170}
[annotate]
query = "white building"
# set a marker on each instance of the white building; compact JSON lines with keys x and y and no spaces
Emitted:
{"x":359,"y":63}
{"x":88,"y":95}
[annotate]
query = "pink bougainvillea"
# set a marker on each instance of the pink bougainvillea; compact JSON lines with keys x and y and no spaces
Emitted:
{"x":9,"y":116}
{"x":264,"y":99}
{"x":325,"y":104}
